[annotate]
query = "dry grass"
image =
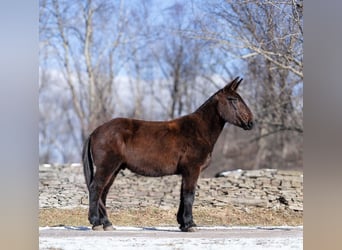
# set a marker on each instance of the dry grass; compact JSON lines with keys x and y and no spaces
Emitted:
{"x":152,"y":216}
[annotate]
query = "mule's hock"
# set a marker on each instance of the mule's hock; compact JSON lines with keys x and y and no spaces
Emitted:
{"x":63,"y":186}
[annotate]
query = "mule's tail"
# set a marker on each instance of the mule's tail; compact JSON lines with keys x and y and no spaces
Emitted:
{"x":88,"y":165}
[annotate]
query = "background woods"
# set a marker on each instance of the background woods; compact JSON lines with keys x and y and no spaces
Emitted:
{"x":158,"y":60}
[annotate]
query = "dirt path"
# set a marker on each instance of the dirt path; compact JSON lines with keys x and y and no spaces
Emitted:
{"x":171,"y":238}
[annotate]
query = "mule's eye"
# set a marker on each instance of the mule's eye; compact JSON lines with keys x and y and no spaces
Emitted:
{"x":233,"y":99}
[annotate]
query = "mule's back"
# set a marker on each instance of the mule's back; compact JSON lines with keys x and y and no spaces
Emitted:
{"x":145,"y":147}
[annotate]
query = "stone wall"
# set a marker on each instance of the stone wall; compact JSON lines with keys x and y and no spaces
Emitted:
{"x":63,"y":186}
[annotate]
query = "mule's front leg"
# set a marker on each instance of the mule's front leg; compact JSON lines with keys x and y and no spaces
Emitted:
{"x":188,"y":224}
{"x":180,"y":213}
{"x":184,"y":215}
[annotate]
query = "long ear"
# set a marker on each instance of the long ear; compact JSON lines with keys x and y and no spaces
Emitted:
{"x":232,"y":85}
{"x":237,"y":84}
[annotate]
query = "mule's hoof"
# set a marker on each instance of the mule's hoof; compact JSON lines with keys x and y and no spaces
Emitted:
{"x":192,"y":229}
{"x":98,"y":228}
{"x":108,"y":228}
{"x":189,"y":229}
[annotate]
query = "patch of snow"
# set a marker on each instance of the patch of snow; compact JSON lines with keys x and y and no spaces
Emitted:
{"x":76,"y":165}
{"x":103,"y":243}
{"x":163,"y":228}
{"x":236,"y":172}
{"x":171,"y":239}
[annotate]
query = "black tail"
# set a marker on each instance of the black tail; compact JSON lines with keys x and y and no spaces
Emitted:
{"x":88,"y":166}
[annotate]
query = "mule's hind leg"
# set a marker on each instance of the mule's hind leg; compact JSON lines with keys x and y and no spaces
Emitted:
{"x":101,"y":179}
{"x":107,"y":225}
{"x":93,"y":214}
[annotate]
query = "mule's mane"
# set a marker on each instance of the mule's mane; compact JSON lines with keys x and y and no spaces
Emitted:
{"x":208,"y":100}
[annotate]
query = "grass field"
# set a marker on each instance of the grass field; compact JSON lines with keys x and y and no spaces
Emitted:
{"x":228,"y":216}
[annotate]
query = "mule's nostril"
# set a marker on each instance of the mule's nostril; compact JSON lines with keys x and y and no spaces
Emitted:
{"x":250,"y":124}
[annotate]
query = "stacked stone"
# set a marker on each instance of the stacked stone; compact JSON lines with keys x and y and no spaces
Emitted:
{"x":63,"y":186}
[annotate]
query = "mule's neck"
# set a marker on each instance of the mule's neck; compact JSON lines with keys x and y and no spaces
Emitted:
{"x":210,"y":116}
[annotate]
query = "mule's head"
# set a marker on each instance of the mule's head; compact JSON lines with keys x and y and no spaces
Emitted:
{"x":232,"y":107}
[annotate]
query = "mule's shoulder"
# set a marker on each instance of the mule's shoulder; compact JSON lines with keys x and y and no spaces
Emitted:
{"x":186,"y":124}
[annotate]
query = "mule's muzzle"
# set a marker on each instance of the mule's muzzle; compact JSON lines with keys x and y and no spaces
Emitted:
{"x":249,"y":125}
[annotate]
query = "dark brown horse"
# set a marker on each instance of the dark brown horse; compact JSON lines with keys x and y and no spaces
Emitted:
{"x":182,"y":146}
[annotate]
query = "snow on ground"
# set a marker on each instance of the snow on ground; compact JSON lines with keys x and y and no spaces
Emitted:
{"x":232,"y":238}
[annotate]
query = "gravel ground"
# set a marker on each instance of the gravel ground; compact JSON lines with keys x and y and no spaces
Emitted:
{"x":163,"y":238}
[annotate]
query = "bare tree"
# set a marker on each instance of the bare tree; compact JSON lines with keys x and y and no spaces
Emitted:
{"x":171,"y":58}
{"x":82,"y":40}
{"x":268,"y":37}
{"x":180,"y":61}
{"x":87,"y":43}
{"x":89,"y":81}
